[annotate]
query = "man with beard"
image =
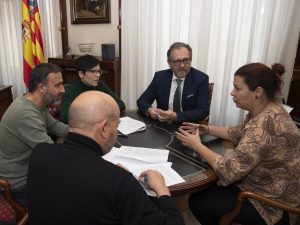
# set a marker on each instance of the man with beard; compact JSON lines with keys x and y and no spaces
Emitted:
{"x":181,"y":92}
{"x":27,"y":123}
{"x":71,"y":183}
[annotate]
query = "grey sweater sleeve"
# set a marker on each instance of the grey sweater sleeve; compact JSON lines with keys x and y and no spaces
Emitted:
{"x":55,"y":127}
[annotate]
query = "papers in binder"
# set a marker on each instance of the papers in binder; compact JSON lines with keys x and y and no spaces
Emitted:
{"x":138,"y":160}
{"x":128,"y":125}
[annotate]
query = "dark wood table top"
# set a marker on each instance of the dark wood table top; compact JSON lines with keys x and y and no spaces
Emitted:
{"x":196,"y":173}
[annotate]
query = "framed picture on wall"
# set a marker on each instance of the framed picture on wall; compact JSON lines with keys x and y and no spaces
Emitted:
{"x":90,"y":11}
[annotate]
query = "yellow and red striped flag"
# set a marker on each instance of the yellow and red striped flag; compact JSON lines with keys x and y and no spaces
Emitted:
{"x":33,"y":52}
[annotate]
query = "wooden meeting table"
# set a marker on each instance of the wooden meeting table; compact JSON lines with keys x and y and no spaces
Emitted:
{"x":196,"y":173}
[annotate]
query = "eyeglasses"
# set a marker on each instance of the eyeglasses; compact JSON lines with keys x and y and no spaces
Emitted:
{"x":95,"y":71}
{"x":178,"y":62}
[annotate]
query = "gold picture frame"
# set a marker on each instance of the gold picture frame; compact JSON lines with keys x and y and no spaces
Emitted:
{"x":90,"y":11}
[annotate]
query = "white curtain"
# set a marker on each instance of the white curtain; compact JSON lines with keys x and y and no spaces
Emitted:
{"x":11,"y":54}
{"x":11,"y":61}
{"x":50,"y":21}
{"x":224,"y":35}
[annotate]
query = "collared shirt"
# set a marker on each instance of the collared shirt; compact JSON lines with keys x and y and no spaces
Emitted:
{"x":173,"y":89}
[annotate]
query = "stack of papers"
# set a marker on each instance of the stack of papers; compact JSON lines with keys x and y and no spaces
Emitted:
{"x":137,"y":160}
{"x":128,"y":125}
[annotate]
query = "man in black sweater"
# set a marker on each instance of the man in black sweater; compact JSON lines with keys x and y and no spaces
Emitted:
{"x":71,"y":184}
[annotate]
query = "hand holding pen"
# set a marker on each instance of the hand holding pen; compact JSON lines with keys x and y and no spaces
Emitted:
{"x":155,"y":181}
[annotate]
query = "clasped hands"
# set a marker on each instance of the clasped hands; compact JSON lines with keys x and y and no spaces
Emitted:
{"x":162,"y":115}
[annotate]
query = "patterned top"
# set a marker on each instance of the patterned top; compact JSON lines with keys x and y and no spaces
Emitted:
{"x":266,"y":160}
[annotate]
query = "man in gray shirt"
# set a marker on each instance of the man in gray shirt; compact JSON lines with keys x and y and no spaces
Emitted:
{"x":27,"y":123}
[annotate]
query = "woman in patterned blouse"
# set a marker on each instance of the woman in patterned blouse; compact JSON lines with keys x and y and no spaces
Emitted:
{"x":266,"y":159}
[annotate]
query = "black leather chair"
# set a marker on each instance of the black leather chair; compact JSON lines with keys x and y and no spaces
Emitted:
{"x":210,"y":89}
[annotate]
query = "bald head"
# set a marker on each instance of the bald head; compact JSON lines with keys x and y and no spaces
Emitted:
{"x":91,"y":107}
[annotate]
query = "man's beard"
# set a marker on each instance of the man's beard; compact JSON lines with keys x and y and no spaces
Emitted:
{"x":181,"y":74}
{"x":50,"y":99}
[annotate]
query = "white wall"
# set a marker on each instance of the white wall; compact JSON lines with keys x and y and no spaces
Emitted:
{"x":106,"y":33}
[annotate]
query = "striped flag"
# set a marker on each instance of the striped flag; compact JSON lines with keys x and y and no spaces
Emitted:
{"x":33,"y":51}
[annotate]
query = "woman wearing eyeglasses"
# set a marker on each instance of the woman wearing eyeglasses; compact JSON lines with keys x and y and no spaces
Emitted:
{"x":266,"y":159}
{"x":89,"y":72}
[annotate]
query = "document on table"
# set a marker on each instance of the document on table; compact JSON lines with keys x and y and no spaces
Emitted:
{"x":138,"y":160}
{"x":128,"y":125}
{"x":149,"y":155}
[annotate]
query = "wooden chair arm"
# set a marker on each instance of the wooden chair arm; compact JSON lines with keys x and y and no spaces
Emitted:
{"x":228,"y":217}
{"x":24,"y":220}
{"x":19,"y":209}
{"x":210,"y":89}
{"x":268,"y":201}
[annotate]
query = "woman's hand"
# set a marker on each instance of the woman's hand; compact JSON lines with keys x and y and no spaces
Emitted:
{"x":203,"y":129}
{"x":192,"y":127}
{"x":190,"y":140}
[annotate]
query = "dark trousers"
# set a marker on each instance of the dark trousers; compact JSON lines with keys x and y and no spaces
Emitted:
{"x":210,"y":205}
{"x":20,"y":195}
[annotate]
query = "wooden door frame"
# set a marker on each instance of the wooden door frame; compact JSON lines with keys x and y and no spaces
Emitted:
{"x":64,"y":27}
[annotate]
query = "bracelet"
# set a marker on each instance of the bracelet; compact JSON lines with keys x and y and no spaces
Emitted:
{"x":207,"y":130}
{"x":194,"y":153}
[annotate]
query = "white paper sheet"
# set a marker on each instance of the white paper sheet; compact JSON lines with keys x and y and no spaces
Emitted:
{"x":150,"y":155}
{"x":137,"y":160}
{"x":128,"y":125}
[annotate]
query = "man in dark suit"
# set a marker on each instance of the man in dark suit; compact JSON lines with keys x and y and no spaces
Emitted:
{"x":181,"y":92}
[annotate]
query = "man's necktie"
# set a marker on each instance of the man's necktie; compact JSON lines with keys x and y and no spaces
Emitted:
{"x":177,"y":96}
